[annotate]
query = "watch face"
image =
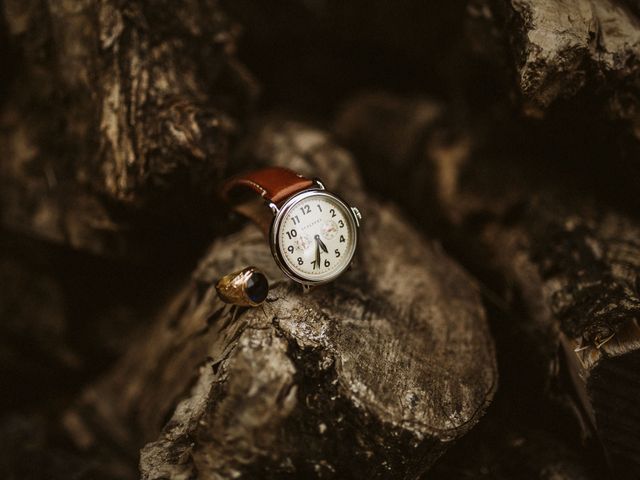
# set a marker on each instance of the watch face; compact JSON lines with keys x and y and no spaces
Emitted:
{"x":315,"y":237}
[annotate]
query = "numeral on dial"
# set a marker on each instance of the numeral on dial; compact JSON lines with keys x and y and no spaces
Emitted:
{"x":295,"y":219}
{"x":300,"y":261}
{"x":342,"y":240}
{"x":327,"y":263}
{"x":337,"y":252}
{"x":305,"y":209}
{"x":291,"y":234}
{"x":340,"y":223}
{"x":333,"y":212}
{"x":290,"y":248}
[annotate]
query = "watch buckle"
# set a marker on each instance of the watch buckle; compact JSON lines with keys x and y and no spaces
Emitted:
{"x":319,"y":184}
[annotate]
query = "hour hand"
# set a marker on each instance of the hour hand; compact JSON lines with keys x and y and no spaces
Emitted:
{"x":322,"y":245}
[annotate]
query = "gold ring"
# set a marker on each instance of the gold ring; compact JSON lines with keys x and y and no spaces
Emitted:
{"x":246,"y":288}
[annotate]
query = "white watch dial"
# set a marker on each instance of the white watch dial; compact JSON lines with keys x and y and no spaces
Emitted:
{"x":317,"y":237}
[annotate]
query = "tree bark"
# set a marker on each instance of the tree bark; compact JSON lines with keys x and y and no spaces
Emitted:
{"x":560,"y":49}
{"x":118,"y":110}
{"x":119,"y":118}
{"x":377,"y":374}
{"x":574,"y":266}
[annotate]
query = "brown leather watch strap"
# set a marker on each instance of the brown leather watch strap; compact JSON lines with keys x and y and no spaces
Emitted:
{"x":273,"y":184}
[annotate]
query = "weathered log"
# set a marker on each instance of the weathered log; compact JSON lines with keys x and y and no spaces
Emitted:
{"x":570,"y":71}
{"x":570,"y":265}
{"x":562,"y":49}
{"x":526,"y":432}
{"x":118,"y":106}
{"x":374,"y":375}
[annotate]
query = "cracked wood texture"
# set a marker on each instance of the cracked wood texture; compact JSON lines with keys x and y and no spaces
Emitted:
{"x":119,"y":116}
{"x":374,"y":375}
{"x":559,"y":64}
{"x":568,"y":268}
{"x":561,"y":49}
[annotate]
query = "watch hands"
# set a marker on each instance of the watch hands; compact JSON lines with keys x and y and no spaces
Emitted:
{"x":317,"y":264}
{"x":323,"y":246}
{"x":319,"y":245}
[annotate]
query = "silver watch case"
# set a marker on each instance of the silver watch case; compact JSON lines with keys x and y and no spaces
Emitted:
{"x":279,"y":213}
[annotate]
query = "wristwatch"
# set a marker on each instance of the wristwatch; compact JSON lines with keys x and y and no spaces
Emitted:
{"x":313,"y":233}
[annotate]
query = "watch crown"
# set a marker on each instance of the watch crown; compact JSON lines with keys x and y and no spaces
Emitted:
{"x":357,"y":215}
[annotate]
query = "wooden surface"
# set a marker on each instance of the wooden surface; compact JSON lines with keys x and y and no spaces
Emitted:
{"x":110,"y":112}
{"x":563,"y":48}
{"x":499,"y":186}
{"x":567,"y":269}
{"x":328,"y":384}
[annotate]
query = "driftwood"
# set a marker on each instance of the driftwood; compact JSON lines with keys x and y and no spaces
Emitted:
{"x":376,"y":375}
{"x":115,"y":123}
{"x":111,"y":114}
{"x":570,"y":267}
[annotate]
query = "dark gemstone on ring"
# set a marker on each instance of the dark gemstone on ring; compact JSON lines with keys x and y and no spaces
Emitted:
{"x":257,"y":287}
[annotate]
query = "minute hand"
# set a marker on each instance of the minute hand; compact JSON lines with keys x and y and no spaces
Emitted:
{"x":317,"y":263}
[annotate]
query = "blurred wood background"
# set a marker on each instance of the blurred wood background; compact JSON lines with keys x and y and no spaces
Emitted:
{"x":489,"y":328}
